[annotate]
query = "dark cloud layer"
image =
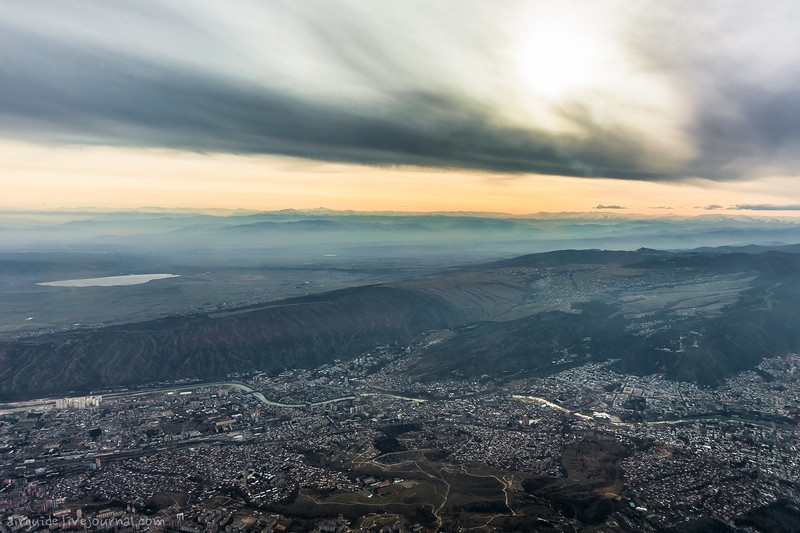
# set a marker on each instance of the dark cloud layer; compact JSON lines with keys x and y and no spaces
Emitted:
{"x":768,"y":207}
{"x":74,"y":96}
{"x":758,"y":127}
{"x":54,"y":89}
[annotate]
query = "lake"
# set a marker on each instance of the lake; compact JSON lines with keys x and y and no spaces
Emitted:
{"x":110,"y":281}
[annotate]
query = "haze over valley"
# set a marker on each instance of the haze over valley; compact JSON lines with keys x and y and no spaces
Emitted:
{"x":230,"y":259}
{"x":293,"y":290}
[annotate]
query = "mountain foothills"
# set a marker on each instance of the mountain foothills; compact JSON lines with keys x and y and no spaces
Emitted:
{"x":694,"y":316}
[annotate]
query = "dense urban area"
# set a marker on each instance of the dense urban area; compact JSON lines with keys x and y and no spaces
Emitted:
{"x":359,"y":446}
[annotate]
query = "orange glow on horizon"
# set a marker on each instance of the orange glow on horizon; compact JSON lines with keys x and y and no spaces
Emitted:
{"x":34,"y":177}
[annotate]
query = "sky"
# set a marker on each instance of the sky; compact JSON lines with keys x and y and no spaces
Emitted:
{"x":646,"y":107}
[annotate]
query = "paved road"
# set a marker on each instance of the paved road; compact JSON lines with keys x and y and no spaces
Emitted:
{"x":49,"y":403}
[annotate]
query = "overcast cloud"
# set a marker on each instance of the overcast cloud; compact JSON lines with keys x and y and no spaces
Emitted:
{"x":687,"y":91}
{"x":768,"y":207}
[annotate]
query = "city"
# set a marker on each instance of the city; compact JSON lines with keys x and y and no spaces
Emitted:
{"x":357,"y":445}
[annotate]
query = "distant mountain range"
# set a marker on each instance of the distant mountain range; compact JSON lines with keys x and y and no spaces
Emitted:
{"x":459,"y":236}
{"x":697,"y":316}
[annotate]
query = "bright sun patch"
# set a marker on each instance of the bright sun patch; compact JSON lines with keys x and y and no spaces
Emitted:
{"x":559,"y":56}
{"x":555,"y":60}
